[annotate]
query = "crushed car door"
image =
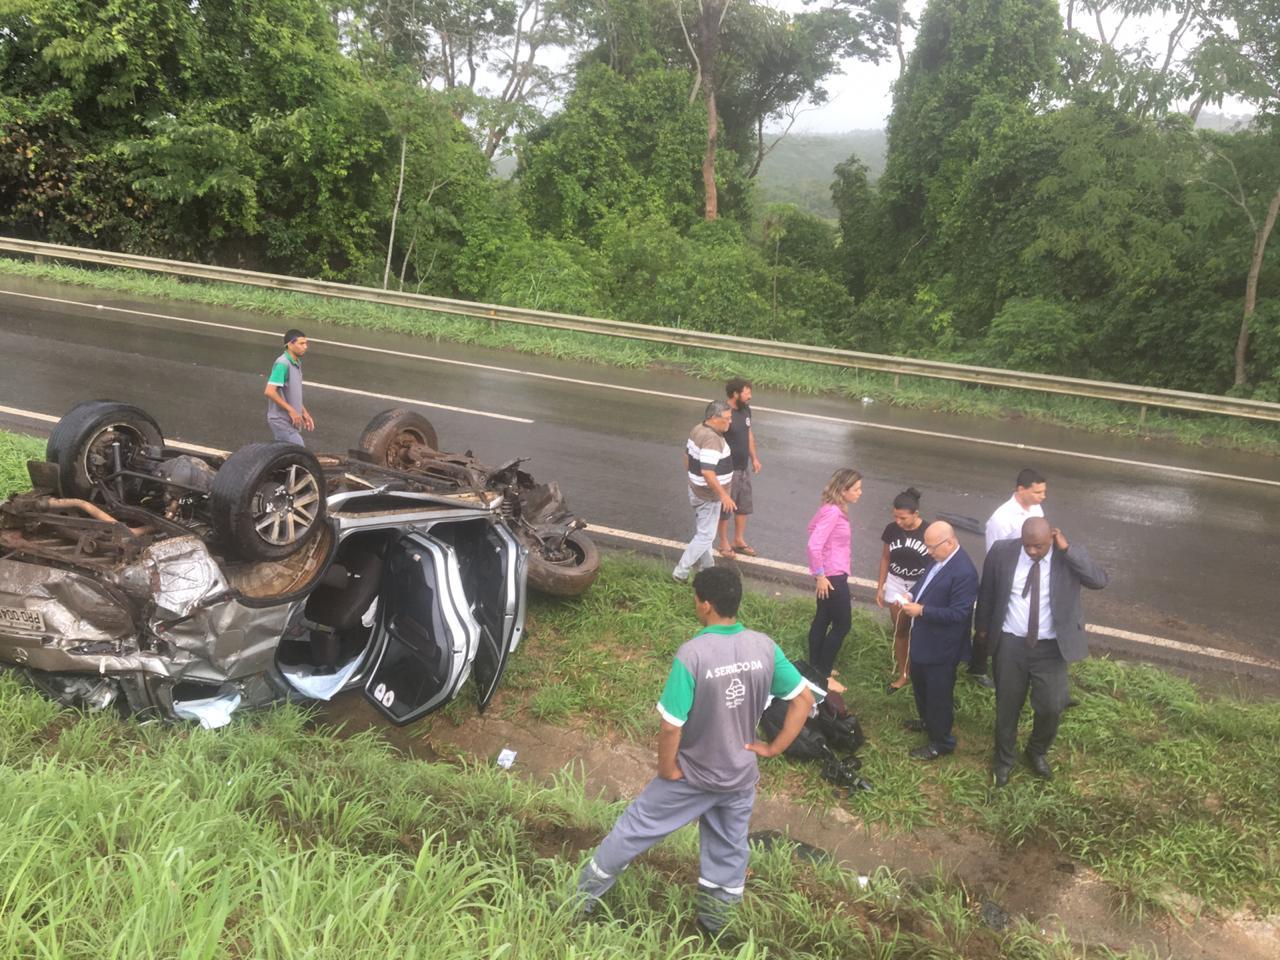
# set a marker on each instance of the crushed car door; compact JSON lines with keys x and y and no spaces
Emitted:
{"x":426,"y":637}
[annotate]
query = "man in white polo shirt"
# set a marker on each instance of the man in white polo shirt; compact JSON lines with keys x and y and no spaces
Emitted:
{"x":1029,"y":491}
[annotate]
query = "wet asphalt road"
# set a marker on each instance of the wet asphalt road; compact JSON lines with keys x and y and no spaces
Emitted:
{"x":1190,"y":557}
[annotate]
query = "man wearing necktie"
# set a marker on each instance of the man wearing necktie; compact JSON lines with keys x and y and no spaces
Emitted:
{"x":941,"y":610}
{"x":1030,"y":603}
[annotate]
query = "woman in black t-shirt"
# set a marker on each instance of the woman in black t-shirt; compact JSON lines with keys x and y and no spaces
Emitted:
{"x":902,"y":561}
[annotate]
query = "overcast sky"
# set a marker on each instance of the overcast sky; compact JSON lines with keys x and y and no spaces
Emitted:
{"x":861,"y":97}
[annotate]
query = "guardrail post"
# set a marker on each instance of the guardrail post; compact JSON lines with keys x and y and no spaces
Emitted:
{"x":1142,"y":419}
{"x":897,"y":381}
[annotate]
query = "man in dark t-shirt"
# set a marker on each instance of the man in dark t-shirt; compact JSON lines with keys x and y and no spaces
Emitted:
{"x":742,"y":448}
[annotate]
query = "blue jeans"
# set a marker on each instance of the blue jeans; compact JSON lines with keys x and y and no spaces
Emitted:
{"x":706,"y":514}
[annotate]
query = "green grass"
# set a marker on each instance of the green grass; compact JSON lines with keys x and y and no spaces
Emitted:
{"x":1173,"y":797}
{"x":1166,"y":792}
{"x":1080,"y":413}
{"x":15,"y":450}
{"x":276,"y":838}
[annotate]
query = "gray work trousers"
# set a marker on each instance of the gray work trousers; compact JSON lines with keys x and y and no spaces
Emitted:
{"x":663,"y":807}
{"x":699,"y":552}
{"x":1018,"y":665}
{"x":285,"y":432}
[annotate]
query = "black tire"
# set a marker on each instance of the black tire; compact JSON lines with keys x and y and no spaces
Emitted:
{"x":81,"y":442}
{"x":569,"y":575}
{"x":387,"y":434}
{"x":267,"y":501}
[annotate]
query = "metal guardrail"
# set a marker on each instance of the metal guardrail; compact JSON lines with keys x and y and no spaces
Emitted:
{"x":828,"y":356}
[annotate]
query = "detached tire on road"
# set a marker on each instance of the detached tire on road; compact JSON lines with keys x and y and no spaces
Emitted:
{"x":82,"y":442}
{"x":267,"y":501}
{"x":571,"y":573}
{"x":391,"y":432}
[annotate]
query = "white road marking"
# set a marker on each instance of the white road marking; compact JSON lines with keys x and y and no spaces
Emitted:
{"x":1127,"y":635}
{"x":309,"y":383}
{"x":493,"y":368}
{"x":417,"y":403}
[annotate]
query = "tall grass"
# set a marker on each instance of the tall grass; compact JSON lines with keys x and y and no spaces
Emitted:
{"x":276,"y":839}
{"x":1081,"y":413}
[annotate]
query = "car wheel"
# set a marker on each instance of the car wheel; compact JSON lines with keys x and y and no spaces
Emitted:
{"x":391,"y":434}
{"x":567,"y":572}
{"x":83,"y":443}
{"x":267,"y":501}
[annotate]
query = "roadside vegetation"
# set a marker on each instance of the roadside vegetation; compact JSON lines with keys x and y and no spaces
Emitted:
{"x":1047,"y":199}
{"x":1079,"y":413}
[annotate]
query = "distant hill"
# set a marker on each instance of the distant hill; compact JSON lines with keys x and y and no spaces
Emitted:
{"x":800,"y":169}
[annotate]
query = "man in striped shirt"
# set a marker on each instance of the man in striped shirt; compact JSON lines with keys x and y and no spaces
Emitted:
{"x":710,"y":468}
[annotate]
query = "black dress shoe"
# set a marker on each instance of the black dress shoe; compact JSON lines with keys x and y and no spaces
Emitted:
{"x":1039,"y":765}
{"x":983,"y":680}
{"x":927,"y":752}
{"x":915,"y":726}
{"x":1000,"y":776}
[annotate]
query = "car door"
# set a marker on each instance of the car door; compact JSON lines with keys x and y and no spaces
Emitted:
{"x":496,"y":584}
{"x":426,"y":636}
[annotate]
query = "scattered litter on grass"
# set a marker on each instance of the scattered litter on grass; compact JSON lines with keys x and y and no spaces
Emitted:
{"x":506,"y":758}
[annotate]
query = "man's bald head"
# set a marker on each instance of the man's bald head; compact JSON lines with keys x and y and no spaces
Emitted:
{"x":940,"y":540}
{"x":1037,"y":537}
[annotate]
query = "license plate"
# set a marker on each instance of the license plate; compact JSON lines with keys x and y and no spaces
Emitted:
{"x":16,"y":618}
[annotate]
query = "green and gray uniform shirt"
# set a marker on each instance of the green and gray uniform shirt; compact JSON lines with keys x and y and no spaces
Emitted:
{"x":719,"y":685}
{"x":287,"y":374}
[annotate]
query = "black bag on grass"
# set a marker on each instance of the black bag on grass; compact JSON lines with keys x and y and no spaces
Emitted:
{"x":832,"y":728}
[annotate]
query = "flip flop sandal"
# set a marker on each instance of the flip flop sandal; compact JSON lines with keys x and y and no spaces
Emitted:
{"x":745,"y":550}
{"x":725,"y":554}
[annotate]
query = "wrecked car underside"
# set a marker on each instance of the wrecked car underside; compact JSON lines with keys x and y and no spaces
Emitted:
{"x":158,"y":585}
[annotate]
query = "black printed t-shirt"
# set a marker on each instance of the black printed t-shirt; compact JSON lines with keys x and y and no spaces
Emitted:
{"x":737,"y":436}
{"x":907,"y":553}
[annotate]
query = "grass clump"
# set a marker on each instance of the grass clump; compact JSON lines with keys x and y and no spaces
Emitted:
{"x":276,"y":838}
{"x":15,"y":450}
{"x":948,"y":397}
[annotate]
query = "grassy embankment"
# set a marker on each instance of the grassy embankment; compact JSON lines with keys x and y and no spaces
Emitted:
{"x":270,"y":839}
{"x":1093,"y":415}
{"x":278,"y":838}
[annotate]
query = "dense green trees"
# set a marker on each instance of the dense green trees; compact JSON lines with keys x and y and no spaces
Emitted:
{"x":1046,"y":201}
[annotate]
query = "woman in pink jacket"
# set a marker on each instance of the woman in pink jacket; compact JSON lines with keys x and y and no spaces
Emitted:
{"x":829,"y":539}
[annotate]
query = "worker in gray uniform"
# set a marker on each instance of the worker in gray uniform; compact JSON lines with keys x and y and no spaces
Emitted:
{"x":286,"y":414}
{"x":719,"y":684}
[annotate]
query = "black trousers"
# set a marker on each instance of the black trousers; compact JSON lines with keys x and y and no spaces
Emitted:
{"x":980,"y":655}
{"x":934,"y":685}
{"x":830,"y":625}
{"x":1020,"y":666}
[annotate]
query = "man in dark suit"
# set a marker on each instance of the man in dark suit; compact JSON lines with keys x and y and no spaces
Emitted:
{"x":941,"y":611}
{"x":1030,"y":605}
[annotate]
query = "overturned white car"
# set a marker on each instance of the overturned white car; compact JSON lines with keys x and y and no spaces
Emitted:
{"x":138,"y":577}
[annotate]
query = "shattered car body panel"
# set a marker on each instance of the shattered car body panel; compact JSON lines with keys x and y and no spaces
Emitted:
{"x":115,"y":607}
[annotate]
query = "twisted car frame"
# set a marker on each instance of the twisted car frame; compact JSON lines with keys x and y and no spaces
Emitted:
{"x":160,"y":582}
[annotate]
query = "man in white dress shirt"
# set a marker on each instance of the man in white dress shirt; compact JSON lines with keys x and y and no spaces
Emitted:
{"x":1029,"y":491}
